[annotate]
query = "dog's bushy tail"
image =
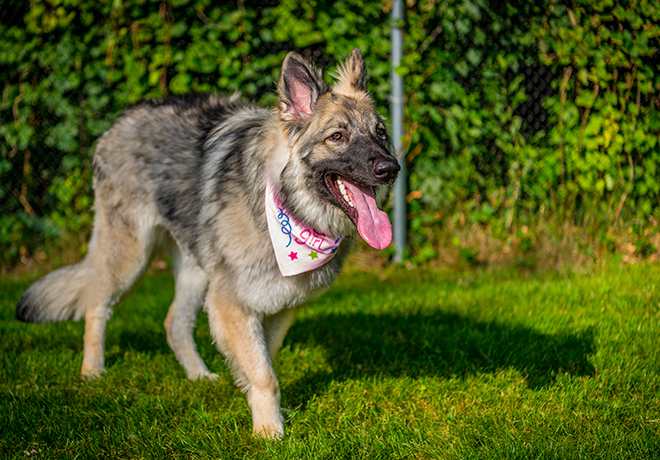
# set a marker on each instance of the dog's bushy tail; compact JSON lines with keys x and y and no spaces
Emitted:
{"x":57,"y":296}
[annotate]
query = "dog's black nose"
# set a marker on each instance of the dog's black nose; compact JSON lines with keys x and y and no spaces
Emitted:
{"x":385,"y":168}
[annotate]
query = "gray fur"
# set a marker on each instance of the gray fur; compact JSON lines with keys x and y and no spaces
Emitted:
{"x":188,"y":174}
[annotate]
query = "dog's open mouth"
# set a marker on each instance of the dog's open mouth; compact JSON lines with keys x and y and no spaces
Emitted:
{"x":359,"y":202}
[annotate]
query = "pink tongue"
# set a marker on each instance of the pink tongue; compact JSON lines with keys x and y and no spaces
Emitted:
{"x":373,"y":224}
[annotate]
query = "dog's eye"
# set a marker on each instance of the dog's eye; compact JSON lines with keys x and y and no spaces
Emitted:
{"x":336,"y":136}
{"x":380,"y":131}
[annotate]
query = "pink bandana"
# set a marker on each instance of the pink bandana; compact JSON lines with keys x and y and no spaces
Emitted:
{"x":298,"y":249}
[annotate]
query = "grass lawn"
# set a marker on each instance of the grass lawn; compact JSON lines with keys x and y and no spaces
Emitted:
{"x":400,"y":364}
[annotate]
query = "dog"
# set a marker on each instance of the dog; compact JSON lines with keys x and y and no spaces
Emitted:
{"x":258,"y":209}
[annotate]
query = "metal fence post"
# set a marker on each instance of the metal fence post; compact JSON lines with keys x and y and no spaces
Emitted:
{"x":396,"y":100}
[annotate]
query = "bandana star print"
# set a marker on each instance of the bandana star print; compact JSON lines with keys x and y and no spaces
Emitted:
{"x":298,"y":248}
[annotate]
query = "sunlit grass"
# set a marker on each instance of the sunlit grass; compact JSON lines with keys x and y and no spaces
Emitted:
{"x":399,"y":364}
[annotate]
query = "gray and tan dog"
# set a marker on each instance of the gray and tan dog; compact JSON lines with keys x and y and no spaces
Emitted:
{"x":197,"y":176}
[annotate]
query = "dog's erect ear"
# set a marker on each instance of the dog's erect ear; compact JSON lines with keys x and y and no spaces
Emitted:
{"x":352,"y":75}
{"x":299,"y":87}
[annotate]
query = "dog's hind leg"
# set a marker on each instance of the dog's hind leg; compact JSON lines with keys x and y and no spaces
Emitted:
{"x":96,"y":319}
{"x":239,"y":334}
{"x":191,"y":283}
{"x":119,"y":252}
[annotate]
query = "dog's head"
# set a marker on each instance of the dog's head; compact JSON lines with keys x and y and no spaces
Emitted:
{"x":340,"y":150}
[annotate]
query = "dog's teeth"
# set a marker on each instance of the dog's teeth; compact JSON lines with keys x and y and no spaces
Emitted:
{"x":348,"y":200}
{"x":344,"y":193}
{"x":347,"y":197}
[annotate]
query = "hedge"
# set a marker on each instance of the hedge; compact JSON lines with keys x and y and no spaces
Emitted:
{"x":484,"y":139}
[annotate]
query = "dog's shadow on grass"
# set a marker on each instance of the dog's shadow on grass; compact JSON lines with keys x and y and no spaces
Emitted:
{"x":429,"y":342}
{"x":439,"y":344}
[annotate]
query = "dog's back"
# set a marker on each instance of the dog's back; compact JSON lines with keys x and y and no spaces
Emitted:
{"x":165,"y":152}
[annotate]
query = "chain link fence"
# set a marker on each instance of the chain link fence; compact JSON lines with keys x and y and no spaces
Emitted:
{"x":494,"y":126}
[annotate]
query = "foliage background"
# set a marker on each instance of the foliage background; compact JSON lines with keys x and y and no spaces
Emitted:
{"x":518,"y":113}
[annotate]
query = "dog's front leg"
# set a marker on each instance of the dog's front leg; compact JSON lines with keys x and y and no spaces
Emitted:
{"x":239,"y":335}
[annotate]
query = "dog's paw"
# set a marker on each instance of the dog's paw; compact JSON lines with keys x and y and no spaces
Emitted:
{"x":205,"y":375}
{"x":91,"y":373}
{"x":271,"y":432}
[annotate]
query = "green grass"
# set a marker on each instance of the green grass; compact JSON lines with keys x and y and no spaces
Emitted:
{"x":402,"y":364}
